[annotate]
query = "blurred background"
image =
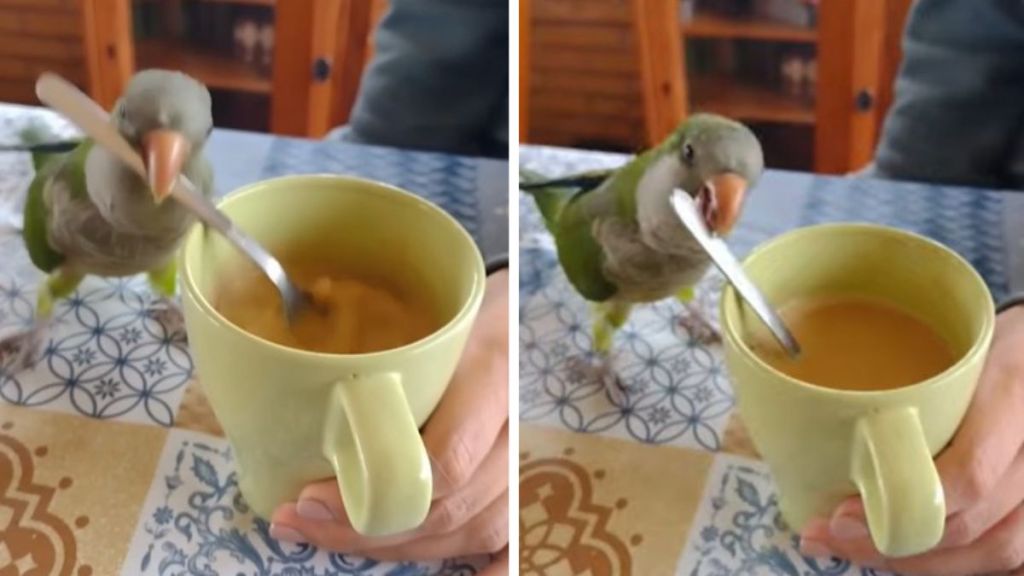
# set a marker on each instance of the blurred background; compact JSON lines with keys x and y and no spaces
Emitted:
{"x":287,"y":67}
{"x":813,"y":80}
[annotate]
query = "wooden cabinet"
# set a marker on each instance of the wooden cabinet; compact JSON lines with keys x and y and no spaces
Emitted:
{"x":621,"y":74}
{"x":36,"y":36}
{"x":320,"y":49}
{"x":584,"y":79}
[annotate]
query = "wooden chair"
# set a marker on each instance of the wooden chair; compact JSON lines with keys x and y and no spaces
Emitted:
{"x":320,"y":51}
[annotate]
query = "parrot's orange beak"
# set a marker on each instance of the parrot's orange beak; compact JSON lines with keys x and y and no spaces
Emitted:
{"x":165,"y":153}
{"x":720,"y":201}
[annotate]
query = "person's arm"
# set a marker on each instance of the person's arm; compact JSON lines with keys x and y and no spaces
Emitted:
{"x":958,"y":111}
{"x":438,"y":79}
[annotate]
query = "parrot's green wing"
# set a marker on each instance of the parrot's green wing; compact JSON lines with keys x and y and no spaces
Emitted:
{"x":565,"y":217}
{"x":570,"y":206}
{"x":36,"y":216}
{"x":578,"y":251}
{"x":580,"y":254}
{"x":44,"y":146}
{"x":34,"y":229}
{"x":552,"y":194}
{"x":581,"y":182}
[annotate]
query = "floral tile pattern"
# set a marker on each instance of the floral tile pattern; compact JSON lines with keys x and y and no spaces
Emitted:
{"x":596,"y":506}
{"x":667,"y":387}
{"x":64,"y":508}
{"x":105,"y":356}
{"x":739,"y":529}
{"x":195,"y":521}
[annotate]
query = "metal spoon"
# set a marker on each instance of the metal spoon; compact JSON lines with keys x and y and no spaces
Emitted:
{"x":723,"y":258}
{"x":84,"y":112}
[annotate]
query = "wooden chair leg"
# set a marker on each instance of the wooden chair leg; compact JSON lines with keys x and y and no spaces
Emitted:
{"x":660,"y":53}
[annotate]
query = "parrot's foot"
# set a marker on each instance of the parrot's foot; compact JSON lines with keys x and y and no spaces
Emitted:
{"x":582,"y":369}
{"x":697,"y":326}
{"x":168,"y":313}
{"x":22,"y":350}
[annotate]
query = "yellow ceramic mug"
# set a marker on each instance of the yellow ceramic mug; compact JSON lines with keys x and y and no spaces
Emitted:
{"x":823,"y":445}
{"x":294,"y":416}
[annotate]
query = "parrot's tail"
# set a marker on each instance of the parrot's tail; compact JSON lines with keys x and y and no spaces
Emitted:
{"x":549,"y":199}
{"x":42,"y":143}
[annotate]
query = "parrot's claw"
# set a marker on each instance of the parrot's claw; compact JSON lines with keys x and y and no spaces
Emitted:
{"x":698,"y":327}
{"x":22,"y":350}
{"x":583,"y":369}
{"x":169,"y":314}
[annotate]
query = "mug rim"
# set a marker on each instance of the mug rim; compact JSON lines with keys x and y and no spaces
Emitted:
{"x":466,"y":309}
{"x":978,"y":347}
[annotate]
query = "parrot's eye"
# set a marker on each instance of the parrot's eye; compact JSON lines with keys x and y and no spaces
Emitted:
{"x":688,"y":153}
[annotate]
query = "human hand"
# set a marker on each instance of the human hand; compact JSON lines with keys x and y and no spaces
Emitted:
{"x":982,"y":472}
{"x":467,"y":440}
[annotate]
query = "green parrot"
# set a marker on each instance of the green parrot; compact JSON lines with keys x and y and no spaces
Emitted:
{"x":87,"y":213}
{"x":618,"y":239}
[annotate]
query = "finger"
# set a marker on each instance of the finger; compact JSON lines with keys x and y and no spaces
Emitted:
{"x":849,"y":524}
{"x":473,"y":410}
{"x":485,"y":534}
{"x":999,"y":550}
{"x":320,"y":510}
{"x":968,"y":525}
{"x":816,"y":540}
{"x":489,"y":482}
{"x":991,"y":433}
{"x":499,"y":567}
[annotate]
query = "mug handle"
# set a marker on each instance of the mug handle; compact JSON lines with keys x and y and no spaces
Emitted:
{"x":898,"y":482}
{"x":381,"y":464}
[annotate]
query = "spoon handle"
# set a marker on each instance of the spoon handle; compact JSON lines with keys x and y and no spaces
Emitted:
{"x":65,"y":97}
{"x":733,"y":271}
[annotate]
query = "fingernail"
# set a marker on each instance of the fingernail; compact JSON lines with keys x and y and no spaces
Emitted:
{"x":286,"y":534}
{"x":311,"y":509}
{"x":815,"y":548}
{"x":847,"y":528}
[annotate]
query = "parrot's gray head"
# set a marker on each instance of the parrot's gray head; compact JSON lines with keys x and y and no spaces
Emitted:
{"x":720,"y":159}
{"x":167,"y":116}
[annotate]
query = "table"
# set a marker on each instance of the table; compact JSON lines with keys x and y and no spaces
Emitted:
{"x":111,"y":461}
{"x":663,"y":479}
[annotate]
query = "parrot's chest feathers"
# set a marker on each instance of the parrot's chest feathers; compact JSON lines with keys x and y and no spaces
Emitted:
{"x":659,"y":227}
{"x":640,"y":270}
{"x":115,"y":229}
{"x":124,"y":200}
{"x":652,"y":256}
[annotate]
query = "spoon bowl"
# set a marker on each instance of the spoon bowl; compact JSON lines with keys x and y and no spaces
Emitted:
{"x":76,"y":106}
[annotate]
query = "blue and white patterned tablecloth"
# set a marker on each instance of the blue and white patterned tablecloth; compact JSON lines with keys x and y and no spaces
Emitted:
{"x":109,"y":362}
{"x":676,"y":393}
